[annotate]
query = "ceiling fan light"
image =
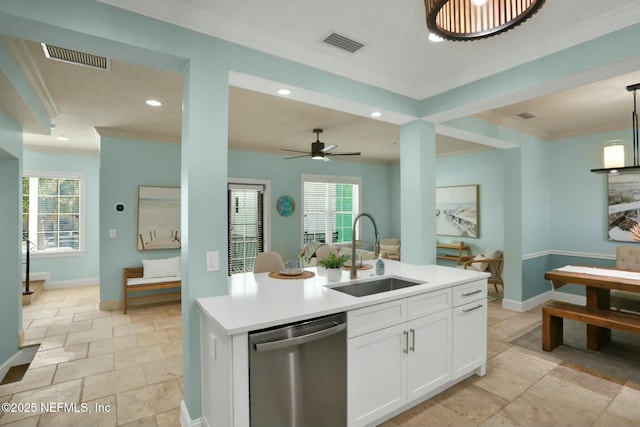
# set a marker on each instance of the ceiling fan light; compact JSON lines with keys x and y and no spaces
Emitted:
{"x":317,"y":156}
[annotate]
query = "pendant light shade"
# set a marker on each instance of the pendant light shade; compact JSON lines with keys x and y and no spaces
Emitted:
{"x":614,"y":154}
{"x":476,"y":19}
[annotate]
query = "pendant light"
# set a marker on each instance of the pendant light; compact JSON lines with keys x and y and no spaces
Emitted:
{"x":615,"y":152}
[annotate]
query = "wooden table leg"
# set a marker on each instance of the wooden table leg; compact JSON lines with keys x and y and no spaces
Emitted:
{"x":597,"y":336}
{"x":551,"y":331}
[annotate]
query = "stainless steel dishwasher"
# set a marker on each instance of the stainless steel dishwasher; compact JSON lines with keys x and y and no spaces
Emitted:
{"x":298,"y":374}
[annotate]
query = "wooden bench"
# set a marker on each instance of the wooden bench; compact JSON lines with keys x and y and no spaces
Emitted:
{"x":599,"y":323}
{"x":138,"y":284}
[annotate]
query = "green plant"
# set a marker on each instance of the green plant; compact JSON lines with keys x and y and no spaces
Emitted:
{"x":334,"y":261}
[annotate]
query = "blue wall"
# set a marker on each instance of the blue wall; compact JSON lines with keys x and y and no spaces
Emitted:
{"x":70,"y":270}
{"x":485,"y":170}
{"x":124,"y":166}
{"x":285,"y":176}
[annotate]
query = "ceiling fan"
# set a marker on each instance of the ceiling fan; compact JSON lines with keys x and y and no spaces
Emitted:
{"x":319,"y":151}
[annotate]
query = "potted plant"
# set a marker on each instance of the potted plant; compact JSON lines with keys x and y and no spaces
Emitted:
{"x":334,"y":263}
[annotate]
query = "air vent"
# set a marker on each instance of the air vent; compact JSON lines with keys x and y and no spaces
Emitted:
{"x":526,"y":116}
{"x":342,"y":42}
{"x":75,"y":57}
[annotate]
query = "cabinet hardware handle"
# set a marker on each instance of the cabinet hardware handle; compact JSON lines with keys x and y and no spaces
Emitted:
{"x":472,"y":308}
{"x":472,"y":293}
{"x":406,"y":342}
{"x":413,"y":340}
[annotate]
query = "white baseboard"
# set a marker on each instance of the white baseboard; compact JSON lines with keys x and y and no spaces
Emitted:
{"x":185,"y":418}
{"x":541,"y":299}
{"x":59,"y":284}
{"x":570,"y":298}
{"x":45,"y":275}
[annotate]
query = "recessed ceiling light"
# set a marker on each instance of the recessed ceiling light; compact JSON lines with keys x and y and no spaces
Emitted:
{"x":62,"y":138}
{"x":376,"y":114}
{"x":479,"y":2}
{"x":284,"y":92}
{"x":153,"y":102}
{"x":435,"y":38}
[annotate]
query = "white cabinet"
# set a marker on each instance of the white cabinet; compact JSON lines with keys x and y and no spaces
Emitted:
{"x":397,"y":364}
{"x":376,"y":374}
{"x":469,"y":328}
{"x":429,"y":356}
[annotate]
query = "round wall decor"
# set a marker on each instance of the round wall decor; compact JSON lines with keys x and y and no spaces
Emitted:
{"x":286,"y":205}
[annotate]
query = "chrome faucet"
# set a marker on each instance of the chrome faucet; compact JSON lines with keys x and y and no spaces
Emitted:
{"x":376,"y":245}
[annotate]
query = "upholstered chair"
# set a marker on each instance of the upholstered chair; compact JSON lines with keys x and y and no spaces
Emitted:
{"x":627,"y":258}
{"x":267,"y":262}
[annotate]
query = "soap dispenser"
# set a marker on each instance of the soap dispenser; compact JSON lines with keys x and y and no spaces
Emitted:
{"x":380,"y":266}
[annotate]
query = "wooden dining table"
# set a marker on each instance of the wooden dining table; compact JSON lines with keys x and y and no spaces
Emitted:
{"x":598,"y":281}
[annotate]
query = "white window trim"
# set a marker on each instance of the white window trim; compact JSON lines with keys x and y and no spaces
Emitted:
{"x":335,"y":179}
{"x":62,"y":175}
{"x":266,"y":184}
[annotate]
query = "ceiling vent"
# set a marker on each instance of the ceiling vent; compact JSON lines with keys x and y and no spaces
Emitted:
{"x":526,"y":116}
{"x":342,"y":42}
{"x":75,"y":57}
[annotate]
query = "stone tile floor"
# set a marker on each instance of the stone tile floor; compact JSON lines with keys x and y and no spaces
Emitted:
{"x":127,"y":369}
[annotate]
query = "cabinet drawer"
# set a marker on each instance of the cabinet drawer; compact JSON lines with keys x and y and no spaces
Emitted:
{"x":468,"y":292}
{"x":429,"y":303}
{"x":375,"y":317}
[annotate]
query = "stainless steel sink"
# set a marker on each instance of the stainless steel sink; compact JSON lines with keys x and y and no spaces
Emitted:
{"x":361,"y":289}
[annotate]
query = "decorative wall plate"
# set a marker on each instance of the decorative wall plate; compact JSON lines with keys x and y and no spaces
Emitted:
{"x":286,"y":205}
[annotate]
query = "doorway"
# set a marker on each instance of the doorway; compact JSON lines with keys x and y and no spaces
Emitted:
{"x":247,"y":223}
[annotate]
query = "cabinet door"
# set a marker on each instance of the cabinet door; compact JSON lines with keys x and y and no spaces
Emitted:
{"x":469,"y":337}
{"x":429,"y":353}
{"x":376,"y":374}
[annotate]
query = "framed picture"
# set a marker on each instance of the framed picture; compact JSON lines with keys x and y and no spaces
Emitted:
{"x":623,"y":203}
{"x":158,"y":218}
{"x":457,"y":211}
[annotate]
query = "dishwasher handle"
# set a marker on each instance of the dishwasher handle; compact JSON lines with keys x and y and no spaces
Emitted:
{"x":303,"y":339}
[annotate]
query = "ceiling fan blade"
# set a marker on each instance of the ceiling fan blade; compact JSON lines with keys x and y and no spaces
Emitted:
{"x":326,"y":159}
{"x":329,"y":148}
{"x":294,"y":151}
{"x":344,"y":154}
{"x":297,"y":157}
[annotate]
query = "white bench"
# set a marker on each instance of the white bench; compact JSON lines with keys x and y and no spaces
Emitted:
{"x":134,"y":282}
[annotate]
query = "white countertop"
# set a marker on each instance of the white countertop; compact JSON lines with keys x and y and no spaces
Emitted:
{"x":257,"y":301}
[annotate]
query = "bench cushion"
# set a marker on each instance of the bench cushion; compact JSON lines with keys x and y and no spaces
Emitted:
{"x":149,"y":280}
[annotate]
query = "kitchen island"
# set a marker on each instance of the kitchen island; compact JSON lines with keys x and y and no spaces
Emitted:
{"x":442,"y":321}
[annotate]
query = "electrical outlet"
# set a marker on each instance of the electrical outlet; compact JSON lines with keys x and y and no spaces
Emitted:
{"x":113,"y":233}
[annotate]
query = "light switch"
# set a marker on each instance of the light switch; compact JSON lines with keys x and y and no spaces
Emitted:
{"x":212,"y":347}
{"x":113,"y":233}
{"x":213,"y":261}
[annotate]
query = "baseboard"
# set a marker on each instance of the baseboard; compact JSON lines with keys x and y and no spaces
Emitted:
{"x":570,"y":298}
{"x":45,"y":275}
{"x":22,"y":356}
{"x":185,"y":418}
{"x":59,"y":284}
{"x":527,"y":304}
{"x":21,"y":338}
{"x":541,"y":299}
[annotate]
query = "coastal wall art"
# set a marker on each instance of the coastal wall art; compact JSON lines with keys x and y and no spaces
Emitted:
{"x":623,"y":206}
{"x":457,"y":211}
{"x":158,"y":218}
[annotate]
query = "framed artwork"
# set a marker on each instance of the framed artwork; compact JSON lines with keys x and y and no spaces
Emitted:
{"x":623,"y":205}
{"x":158,"y":218}
{"x":457,"y":211}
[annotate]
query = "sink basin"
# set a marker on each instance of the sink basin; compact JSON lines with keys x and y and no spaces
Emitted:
{"x":362,"y":289}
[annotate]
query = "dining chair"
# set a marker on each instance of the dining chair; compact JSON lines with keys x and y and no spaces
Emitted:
{"x":627,"y":258}
{"x":267,"y":262}
{"x":324,"y":251}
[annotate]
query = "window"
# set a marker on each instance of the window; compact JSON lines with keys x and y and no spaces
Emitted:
{"x":245,"y":220}
{"x":51,"y":212}
{"x":330,"y":205}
